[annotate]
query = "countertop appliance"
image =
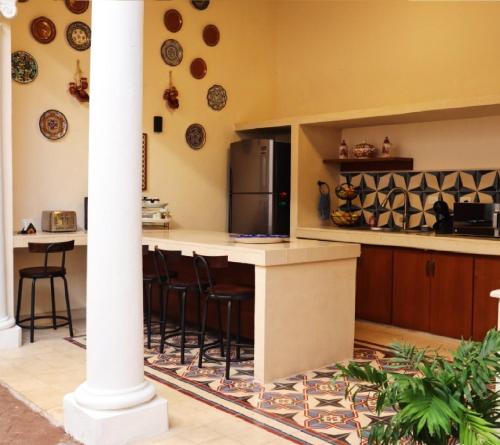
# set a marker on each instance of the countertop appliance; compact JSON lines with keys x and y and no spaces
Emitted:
{"x":59,"y":221}
{"x":259,"y":187}
{"x":477,"y":219}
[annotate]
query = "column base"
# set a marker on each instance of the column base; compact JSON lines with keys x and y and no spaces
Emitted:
{"x":11,"y":338}
{"x":114,"y":427}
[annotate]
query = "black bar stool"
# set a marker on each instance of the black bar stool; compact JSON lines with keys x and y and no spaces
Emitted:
{"x":226,"y":293}
{"x":38,"y":273}
{"x":182,"y":289}
{"x":149,"y":279}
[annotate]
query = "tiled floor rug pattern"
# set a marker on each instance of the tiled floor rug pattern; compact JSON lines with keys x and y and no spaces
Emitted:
{"x":308,"y":408}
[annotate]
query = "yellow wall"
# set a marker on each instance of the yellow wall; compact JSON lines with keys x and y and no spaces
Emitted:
{"x":344,"y":55}
{"x":53,"y":175}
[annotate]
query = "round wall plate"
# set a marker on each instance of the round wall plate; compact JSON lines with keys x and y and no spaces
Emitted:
{"x":78,"y":36}
{"x":77,"y":6}
{"x":173,"y":20}
{"x":198,"y":68}
{"x":43,"y":29}
{"x":172,"y":52}
{"x":53,"y":124}
{"x":217,"y":97}
{"x":200,"y":4}
{"x":211,"y":35}
{"x":196,"y":136}
{"x":24,"y":67}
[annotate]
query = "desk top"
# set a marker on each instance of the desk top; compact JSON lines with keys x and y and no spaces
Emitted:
{"x":220,"y":243}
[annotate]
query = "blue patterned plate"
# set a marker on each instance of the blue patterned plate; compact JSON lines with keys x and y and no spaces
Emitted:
{"x":24,"y":67}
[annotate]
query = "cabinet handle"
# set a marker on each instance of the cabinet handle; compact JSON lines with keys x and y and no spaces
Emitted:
{"x":433,"y":268}
{"x":428,"y":268}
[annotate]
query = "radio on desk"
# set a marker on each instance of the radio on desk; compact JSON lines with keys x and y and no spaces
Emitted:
{"x":59,"y":221}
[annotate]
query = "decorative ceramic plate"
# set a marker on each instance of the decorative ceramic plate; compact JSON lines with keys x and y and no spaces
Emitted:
{"x":196,"y":136}
{"x":171,"y":52}
{"x":200,"y":4}
{"x":173,"y":20}
{"x":261,"y":239}
{"x":211,"y":35}
{"x":53,"y":124}
{"x":24,"y":67}
{"x":198,"y":68}
{"x":77,"y":6}
{"x":217,"y":97}
{"x":78,"y":36}
{"x":43,"y":30}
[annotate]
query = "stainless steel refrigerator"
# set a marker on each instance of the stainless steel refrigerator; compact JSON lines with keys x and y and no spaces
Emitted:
{"x":259,"y":187}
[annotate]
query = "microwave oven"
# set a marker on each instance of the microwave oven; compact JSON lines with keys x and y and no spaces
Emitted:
{"x":476,"y":219}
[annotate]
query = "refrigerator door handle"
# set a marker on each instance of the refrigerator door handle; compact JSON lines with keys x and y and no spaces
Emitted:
{"x":264,"y":175}
{"x":270,"y":215}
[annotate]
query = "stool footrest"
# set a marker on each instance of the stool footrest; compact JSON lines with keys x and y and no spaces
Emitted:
{"x":206,"y":348}
{"x":44,"y":317}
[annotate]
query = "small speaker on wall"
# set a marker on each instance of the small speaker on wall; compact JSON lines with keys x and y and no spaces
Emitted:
{"x":158,"y":124}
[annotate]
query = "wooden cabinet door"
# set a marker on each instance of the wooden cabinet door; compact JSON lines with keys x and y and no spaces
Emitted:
{"x":485,"y":308}
{"x":411,"y":289}
{"x":451,"y":295}
{"x":374,"y":284}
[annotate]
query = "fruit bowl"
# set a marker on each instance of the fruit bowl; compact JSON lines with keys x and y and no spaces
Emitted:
{"x":345,"y":218}
{"x":346,"y":191}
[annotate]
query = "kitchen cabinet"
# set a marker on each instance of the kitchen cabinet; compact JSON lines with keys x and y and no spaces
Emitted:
{"x":433,"y":292}
{"x":485,"y":308}
{"x":411,"y":289}
{"x":374,"y":284}
{"x":451,"y":278}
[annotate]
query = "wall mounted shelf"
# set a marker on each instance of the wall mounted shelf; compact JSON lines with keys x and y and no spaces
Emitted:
{"x":374,"y":164}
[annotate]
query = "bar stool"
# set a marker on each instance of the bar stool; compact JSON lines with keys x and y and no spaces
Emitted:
{"x":220,"y":292}
{"x":148,"y":280}
{"x":182,"y":288}
{"x":44,"y":272}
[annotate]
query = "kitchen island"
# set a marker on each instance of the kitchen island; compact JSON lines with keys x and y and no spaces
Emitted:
{"x":304,"y":294}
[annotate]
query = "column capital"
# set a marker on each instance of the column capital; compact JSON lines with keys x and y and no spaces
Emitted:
{"x":8,"y":8}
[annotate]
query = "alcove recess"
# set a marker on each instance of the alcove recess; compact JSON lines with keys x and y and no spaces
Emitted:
{"x":433,"y":133}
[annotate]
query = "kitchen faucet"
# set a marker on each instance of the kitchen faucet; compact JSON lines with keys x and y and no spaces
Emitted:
{"x":406,"y":205}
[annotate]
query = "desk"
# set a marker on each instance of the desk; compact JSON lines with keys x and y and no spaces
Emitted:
{"x":304,"y":294}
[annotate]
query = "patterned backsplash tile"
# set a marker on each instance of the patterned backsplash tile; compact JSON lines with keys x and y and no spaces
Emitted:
{"x":424,"y":189}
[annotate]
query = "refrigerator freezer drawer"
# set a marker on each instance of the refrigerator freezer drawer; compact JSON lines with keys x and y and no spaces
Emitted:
{"x":251,"y":213}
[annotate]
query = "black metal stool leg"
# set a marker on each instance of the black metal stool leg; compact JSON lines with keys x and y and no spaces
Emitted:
{"x":182,"y":296}
{"x":198,"y":308}
{"x":165,"y":291}
{"x":221,"y":338}
{"x":53,"y":300}
{"x":32,"y":317}
{"x":19,"y":298}
{"x":149,"y":289}
{"x":203,"y":328}
{"x":228,"y":346}
{"x":238,"y":332}
{"x":68,"y":307}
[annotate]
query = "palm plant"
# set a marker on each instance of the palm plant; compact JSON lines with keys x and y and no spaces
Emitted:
{"x":437,"y":401}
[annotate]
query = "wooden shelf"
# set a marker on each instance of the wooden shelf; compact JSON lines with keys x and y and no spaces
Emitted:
{"x":373,"y":164}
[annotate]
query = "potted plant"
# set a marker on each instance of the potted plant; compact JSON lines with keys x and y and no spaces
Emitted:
{"x":437,"y":400}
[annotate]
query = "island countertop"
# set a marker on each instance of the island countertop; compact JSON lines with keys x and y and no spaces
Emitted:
{"x":220,"y":243}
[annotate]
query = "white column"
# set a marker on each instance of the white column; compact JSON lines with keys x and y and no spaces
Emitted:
{"x":496,"y":294}
{"x":115,"y":405}
{"x":10,"y":334}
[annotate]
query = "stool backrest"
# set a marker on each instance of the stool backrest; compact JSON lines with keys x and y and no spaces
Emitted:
{"x":162,"y":260}
{"x":203,"y":266}
{"x":48,"y":248}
